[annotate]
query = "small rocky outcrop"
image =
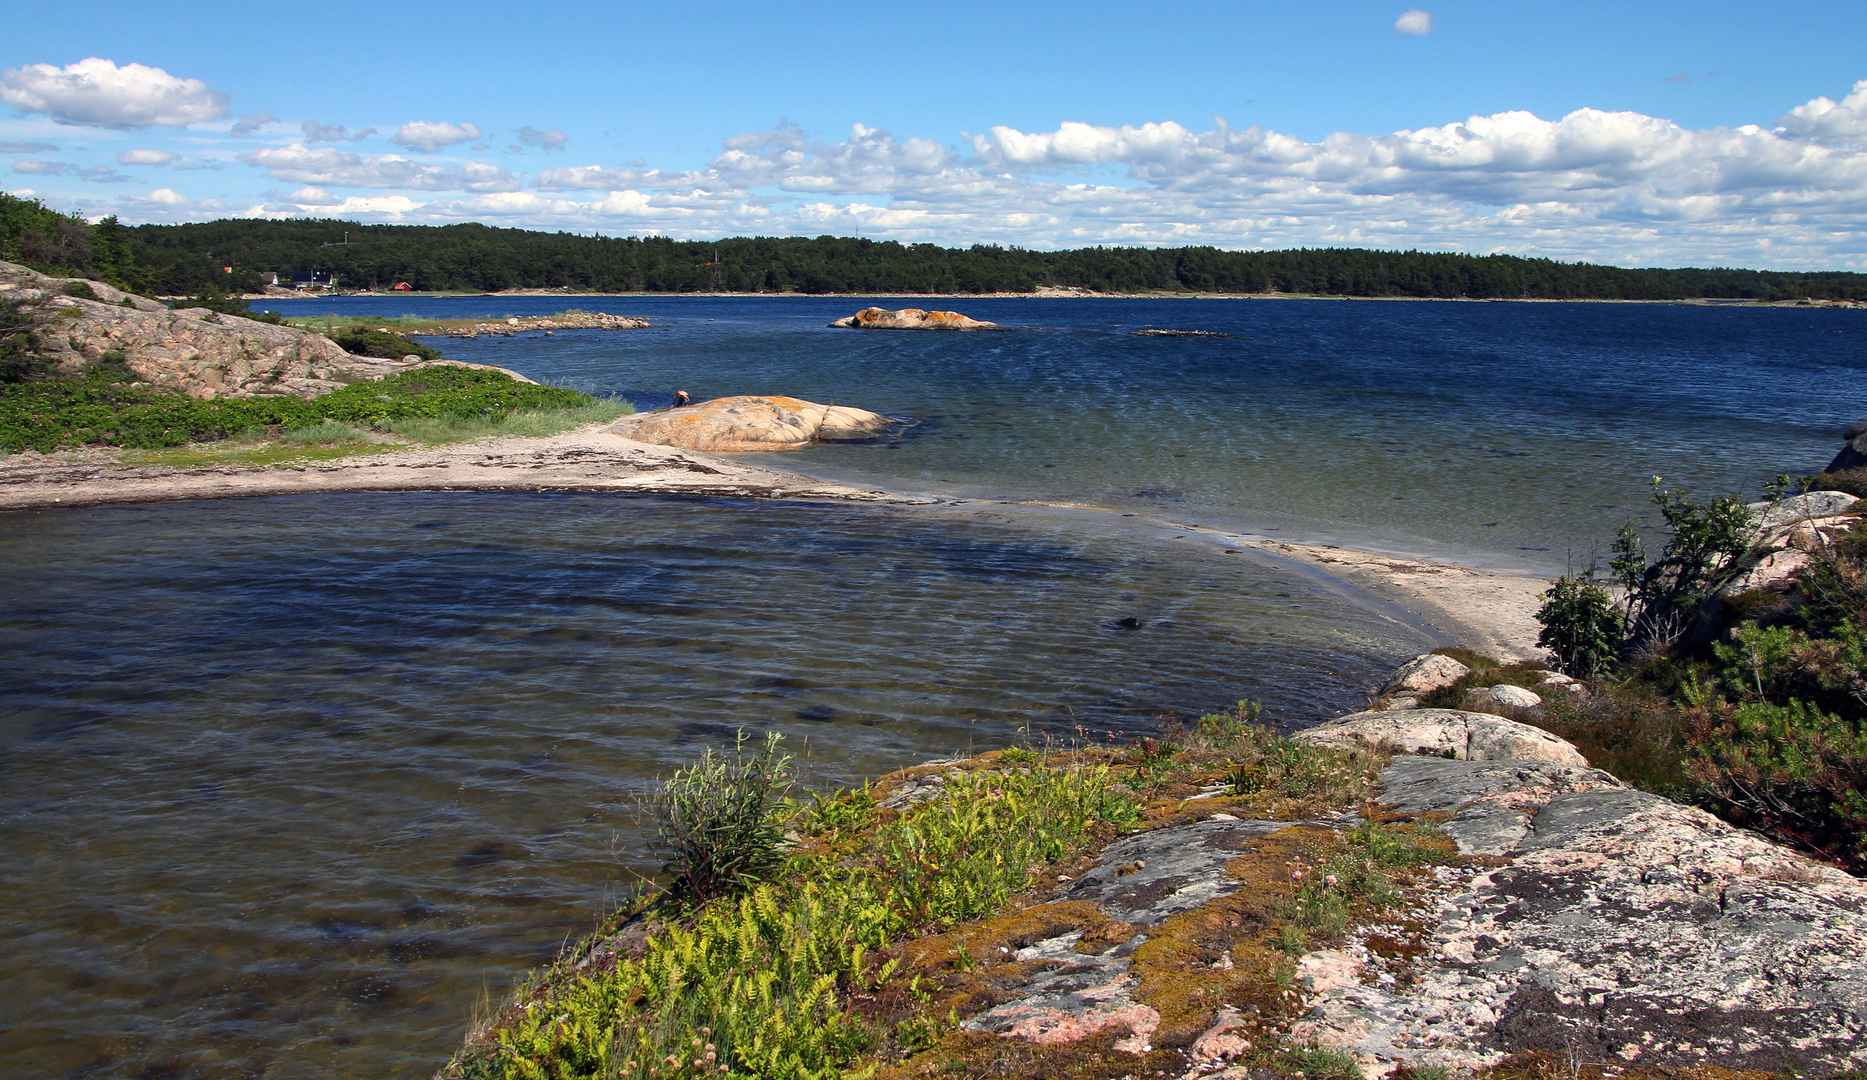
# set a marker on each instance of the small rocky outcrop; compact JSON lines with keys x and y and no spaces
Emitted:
{"x":1853,"y":453}
{"x":751,"y":423}
{"x":876,"y":318}
{"x":1423,"y":673}
{"x":1458,"y":734}
{"x":190,"y":351}
{"x":515,"y":325}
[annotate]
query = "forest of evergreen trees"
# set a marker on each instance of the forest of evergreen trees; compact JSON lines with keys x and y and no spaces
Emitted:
{"x":191,"y":259}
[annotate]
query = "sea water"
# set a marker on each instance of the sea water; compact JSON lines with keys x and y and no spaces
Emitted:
{"x":292,"y":785}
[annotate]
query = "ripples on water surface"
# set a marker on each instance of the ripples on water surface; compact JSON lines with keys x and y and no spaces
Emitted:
{"x":1515,"y":432}
{"x":288,"y":782}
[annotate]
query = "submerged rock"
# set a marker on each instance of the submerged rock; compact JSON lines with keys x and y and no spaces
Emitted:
{"x":876,"y":318}
{"x":749,"y":423}
{"x":1445,"y":733}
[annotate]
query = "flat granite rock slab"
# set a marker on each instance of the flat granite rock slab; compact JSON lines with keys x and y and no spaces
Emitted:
{"x":1182,"y":867}
{"x":1623,"y":927}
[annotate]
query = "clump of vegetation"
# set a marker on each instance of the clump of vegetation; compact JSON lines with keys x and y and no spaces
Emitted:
{"x":1764,"y":721}
{"x":759,"y":982}
{"x":1355,"y":873}
{"x":100,"y":409}
{"x":19,"y":346}
{"x":1582,"y":628}
{"x":358,"y":341}
{"x":722,"y":821}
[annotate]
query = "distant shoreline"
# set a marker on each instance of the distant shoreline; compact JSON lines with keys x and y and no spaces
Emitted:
{"x":1045,"y":294}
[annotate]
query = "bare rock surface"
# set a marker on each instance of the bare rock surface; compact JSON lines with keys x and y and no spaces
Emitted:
{"x":191,"y":351}
{"x":749,"y":423}
{"x":1815,"y":504}
{"x":1428,"y":671}
{"x":1447,"y":733}
{"x":1486,"y":698}
{"x":1620,"y":927}
{"x":876,"y":318}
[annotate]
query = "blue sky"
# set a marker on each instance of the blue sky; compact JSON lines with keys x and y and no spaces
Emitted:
{"x":1648,"y":134}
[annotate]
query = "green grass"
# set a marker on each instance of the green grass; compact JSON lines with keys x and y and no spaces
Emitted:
{"x":441,"y":404}
{"x":1358,"y":872}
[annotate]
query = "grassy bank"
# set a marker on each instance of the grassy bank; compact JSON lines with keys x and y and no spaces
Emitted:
{"x":434,"y":404}
{"x":875,"y":926}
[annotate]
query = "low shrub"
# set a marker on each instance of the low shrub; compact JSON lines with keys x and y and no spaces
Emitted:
{"x":722,"y":820}
{"x":19,"y":346}
{"x":358,"y":341}
{"x":1852,"y":481}
{"x":224,"y":304}
{"x":1581,"y":627}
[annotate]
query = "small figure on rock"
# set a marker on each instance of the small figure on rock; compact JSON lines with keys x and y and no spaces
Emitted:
{"x":680,"y":399}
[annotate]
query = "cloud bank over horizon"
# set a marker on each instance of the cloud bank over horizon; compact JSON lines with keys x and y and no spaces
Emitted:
{"x":1604,"y":186}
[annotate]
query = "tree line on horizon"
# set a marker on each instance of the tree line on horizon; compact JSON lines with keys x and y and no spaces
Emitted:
{"x":192,"y":259}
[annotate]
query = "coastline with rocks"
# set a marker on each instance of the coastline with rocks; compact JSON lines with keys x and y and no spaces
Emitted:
{"x":1545,"y":911}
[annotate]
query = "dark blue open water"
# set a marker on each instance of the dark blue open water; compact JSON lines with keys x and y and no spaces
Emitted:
{"x":286,"y":784}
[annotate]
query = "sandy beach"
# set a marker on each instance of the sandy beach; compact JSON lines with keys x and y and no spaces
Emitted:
{"x":1492,"y":612}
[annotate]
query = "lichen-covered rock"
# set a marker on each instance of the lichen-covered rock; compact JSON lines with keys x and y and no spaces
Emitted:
{"x":1428,"y":671}
{"x":1448,"y":733}
{"x":1814,"y":504}
{"x":190,"y":351}
{"x":876,"y":318}
{"x":745,"y":424}
{"x":1621,"y":927}
{"x":1486,"y":698}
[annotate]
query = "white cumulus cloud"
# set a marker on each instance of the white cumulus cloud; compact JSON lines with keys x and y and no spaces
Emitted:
{"x":98,"y":93}
{"x":301,"y":164}
{"x":431,"y":138}
{"x":1414,"y":21}
{"x":1607,"y":186}
{"x":148,"y":157}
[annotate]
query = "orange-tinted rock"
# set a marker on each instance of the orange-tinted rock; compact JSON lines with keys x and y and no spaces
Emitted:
{"x":912,"y":319}
{"x":748,"y":423}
